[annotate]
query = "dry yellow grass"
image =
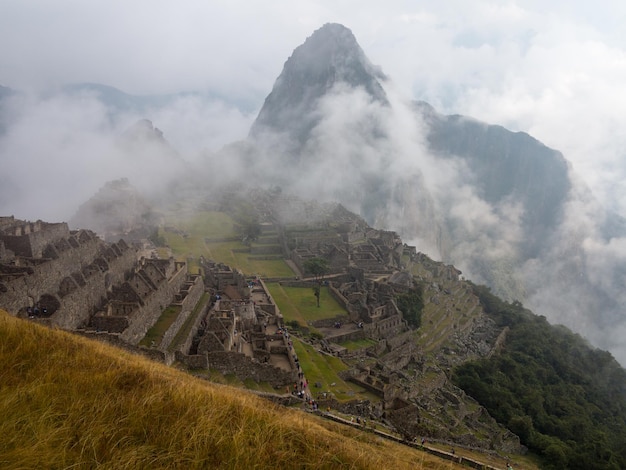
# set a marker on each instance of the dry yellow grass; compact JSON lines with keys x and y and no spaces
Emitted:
{"x":68,"y":402}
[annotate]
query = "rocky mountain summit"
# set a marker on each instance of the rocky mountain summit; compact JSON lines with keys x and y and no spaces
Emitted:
{"x":331,"y":56}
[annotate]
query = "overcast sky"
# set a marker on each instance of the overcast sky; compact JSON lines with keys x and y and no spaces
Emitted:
{"x":555,"y":69}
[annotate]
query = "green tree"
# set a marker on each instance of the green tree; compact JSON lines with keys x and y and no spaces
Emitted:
{"x":411,"y":306}
{"x":564,"y":400}
{"x":316,"y":266}
{"x":316,"y":293}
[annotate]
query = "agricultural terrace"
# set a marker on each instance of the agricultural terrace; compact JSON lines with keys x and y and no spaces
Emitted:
{"x":323,"y":370}
{"x":299,"y":304}
{"x":212,"y":234}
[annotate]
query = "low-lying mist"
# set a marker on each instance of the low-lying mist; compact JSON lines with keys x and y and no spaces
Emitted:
{"x":58,"y":150}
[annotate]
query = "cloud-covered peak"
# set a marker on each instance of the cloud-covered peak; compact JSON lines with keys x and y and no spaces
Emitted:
{"x":330,"y":57}
{"x":332,"y":53}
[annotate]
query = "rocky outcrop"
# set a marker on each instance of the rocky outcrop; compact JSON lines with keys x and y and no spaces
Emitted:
{"x":329,"y":57}
{"x":116,"y":211}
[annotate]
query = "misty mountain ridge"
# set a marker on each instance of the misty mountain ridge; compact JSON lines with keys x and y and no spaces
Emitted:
{"x":116,"y":211}
{"x":143,"y":133}
{"x":119,"y":101}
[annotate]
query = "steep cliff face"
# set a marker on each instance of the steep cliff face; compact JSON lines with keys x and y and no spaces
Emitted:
{"x":505,"y":165}
{"x":330,"y":56}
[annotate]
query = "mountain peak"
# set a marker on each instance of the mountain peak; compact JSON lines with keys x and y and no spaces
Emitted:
{"x":330,"y":56}
{"x":332,"y":47}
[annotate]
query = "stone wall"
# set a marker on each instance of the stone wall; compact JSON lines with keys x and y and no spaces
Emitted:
{"x":109,"y":323}
{"x":298,"y":283}
{"x":244,"y":367}
{"x":188,"y":305}
{"x":147,"y":315}
{"x":266,"y":250}
{"x":367,"y":386}
{"x":193,"y":361}
{"x":77,"y":306}
{"x":47,"y":274}
{"x":353,"y":312}
{"x":390,"y":327}
{"x":394,"y":342}
{"x":185,"y":346}
{"x":271,"y":308}
{"x":30,"y":238}
{"x":115,"y":340}
{"x":350,"y":336}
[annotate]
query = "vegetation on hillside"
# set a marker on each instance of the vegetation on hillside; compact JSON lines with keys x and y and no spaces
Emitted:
{"x":565,"y":400}
{"x":411,"y":305}
{"x":214,"y":235}
{"x":68,"y":402}
{"x":245,"y":217}
{"x":316,"y":266}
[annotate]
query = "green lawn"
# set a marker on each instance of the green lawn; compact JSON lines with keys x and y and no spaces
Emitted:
{"x":224,"y":252}
{"x":358,"y":344}
{"x":211,"y":224}
{"x":214,"y":225}
{"x":324,"y":369}
{"x":168,"y":316}
{"x":300,"y":304}
{"x":185,"y":329}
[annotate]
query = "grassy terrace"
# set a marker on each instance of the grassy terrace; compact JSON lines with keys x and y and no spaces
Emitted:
{"x":158,"y":330}
{"x":299,"y":303}
{"x":213,"y":225}
{"x":358,"y":344}
{"x":324,"y":369}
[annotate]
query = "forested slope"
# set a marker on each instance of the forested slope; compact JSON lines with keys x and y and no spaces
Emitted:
{"x":566,"y":400}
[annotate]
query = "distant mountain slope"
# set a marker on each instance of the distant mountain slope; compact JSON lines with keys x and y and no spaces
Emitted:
{"x":565,"y":400}
{"x":116,"y":211}
{"x":506,"y":165}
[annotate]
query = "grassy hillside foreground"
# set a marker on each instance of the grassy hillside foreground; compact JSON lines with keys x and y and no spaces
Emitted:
{"x":68,"y":402}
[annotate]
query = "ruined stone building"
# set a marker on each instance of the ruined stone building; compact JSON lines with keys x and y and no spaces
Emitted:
{"x":73,"y":279}
{"x":243,"y":332}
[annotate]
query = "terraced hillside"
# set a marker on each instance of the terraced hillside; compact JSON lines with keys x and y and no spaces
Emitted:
{"x":406,"y":376}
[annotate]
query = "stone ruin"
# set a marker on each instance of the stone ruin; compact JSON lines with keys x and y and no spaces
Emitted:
{"x":242,"y":332}
{"x":74,"y":280}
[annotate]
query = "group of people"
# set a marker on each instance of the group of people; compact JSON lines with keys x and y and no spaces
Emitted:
{"x":359,"y":420}
{"x":35,"y":311}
